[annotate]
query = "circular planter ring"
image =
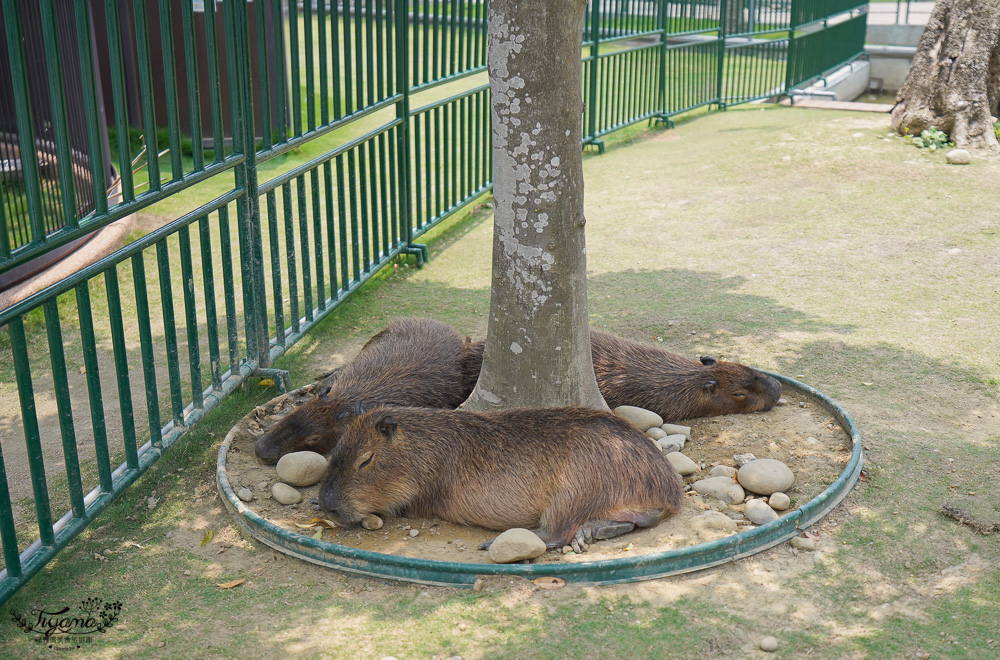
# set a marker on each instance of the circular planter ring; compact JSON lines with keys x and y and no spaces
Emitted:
{"x":608,"y":571}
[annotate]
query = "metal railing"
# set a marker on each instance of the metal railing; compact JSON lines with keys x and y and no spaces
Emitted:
{"x":114,"y":363}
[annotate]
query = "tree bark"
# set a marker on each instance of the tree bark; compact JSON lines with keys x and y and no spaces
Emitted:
{"x":538,"y":342}
{"x":954,"y":83}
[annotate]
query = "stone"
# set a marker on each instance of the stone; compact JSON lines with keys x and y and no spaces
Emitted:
{"x":765,"y":476}
{"x":414,"y":533}
{"x":721,"y":488}
{"x":639,"y":417}
{"x":676,"y":438}
{"x":758,"y":512}
{"x":478,"y":585}
{"x":714,"y":521}
{"x":743,"y":459}
{"x":245,"y":494}
{"x":779,"y":501}
{"x":656,"y":433}
{"x":722,"y":471}
{"x":301,"y":468}
{"x":682,"y":463}
{"x":371,"y":522}
{"x":677,"y":429}
{"x":958,"y":157}
{"x":803,"y":543}
{"x":515,"y":545}
{"x":285,"y":494}
{"x":769,"y":644}
{"x":670,"y":443}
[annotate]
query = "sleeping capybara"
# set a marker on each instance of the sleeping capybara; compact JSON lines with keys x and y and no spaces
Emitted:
{"x":412,"y":362}
{"x":570,"y":474}
{"x":630,"y":373}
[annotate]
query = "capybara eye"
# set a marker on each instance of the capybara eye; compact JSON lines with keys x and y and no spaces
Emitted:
{"x":739,"y":395}
{"x":366,"y":460}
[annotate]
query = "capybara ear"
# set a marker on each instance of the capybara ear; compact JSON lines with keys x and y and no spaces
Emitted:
{"x":359,"y":408}
{"x":710,"y":386}
{"x":386,"y":427}
{"x":323,"y":392}
{"x":708,"y":361}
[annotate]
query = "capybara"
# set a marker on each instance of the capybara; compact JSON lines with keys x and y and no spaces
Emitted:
{"x":570,"y":474}
{"x":412,"y":362}
{"x":630,"y":373}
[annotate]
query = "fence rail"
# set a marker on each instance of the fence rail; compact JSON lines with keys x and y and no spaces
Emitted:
{"x":110,"y":366}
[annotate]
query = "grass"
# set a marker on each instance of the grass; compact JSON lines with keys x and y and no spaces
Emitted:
{"x":833,"y":272}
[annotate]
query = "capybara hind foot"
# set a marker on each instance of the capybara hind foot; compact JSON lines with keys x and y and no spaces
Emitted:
{"x":598,"y":530}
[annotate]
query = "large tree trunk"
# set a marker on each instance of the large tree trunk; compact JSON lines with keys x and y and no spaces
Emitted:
{"x":954,"y":83}
{"x":538,"y":342}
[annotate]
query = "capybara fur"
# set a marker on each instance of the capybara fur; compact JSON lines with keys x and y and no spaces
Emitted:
{"x":566,"y":473}
{"x":630,"y":373}
{"x":412,"y":362}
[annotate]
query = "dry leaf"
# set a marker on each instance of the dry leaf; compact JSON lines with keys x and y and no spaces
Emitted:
{"x":549,"y":582}
{"x":230,"y":585}
{"x":209,"y":535}
{"x":306,"y":525}
{"x":319,"y":534}
{"x":325,"y":521}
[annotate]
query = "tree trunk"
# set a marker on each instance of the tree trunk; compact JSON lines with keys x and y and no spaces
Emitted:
{"x":538,"y":343}
{"x":954,"y":83}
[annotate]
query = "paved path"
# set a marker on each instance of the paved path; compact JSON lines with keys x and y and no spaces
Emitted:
{"x":892,"y":13}
{"x":838,"y":105}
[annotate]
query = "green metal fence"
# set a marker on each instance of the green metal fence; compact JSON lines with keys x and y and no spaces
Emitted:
{"x":113,"y":364}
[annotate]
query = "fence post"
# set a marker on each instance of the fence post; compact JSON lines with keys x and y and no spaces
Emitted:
{"x":790,"y":56}
{"x":248,"y":204}
{"x":661,"y":75}
{"x":721,"y":65}
{"x":402,"y":46}
{"x":595,"y":48}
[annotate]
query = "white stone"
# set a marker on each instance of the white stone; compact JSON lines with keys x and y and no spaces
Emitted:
{"x":639,"y":417}
{"x":765,"y":476}
{"x":671,"y":429}
{"x":722,"y":471}
{"x":515,"y":545}
{"x":682,"y":463}
{"x":959,"y":157}
{"x":803,"y":543}
{"x":721,"y":488}
{"x":758,"y":512}
{"x":301,"y":468}
{"x":779,"y":501}
{"x":285,"y":494}
{"x":656,"y":433}
{"x":769,"y":644}
{"x":371,"y":521}
{"x":245,"y":494}
{"x":414,"y":533}
{"x":743,"y":459}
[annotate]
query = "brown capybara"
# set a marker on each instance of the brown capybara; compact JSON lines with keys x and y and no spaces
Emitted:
{"x":412,"y":362}
{"x":570,"y":474}
{"x":630,"y":373}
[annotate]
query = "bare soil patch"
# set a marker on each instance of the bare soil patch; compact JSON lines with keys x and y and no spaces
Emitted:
{"x":801,"y":434}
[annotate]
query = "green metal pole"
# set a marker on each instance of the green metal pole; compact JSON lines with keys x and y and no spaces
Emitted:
{"x":720,"y":65}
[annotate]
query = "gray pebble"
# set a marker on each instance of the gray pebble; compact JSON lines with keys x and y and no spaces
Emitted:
{"x":656,"y":433}
{"x":516,"y":544}
{"x":639,"y":417}
{"x":371,"y":522}
{"x":672,"y":429}
{"x":779,"y":501}
{"x":765,"y":476}
{"x":669,"y":444}
{"x":959,"y":157}
{"x":758,"y":512}
{"x":414,"y":533}
{"x":722,"y":471}
{"x":684,"y":465}
{"x":285,"y":494}
{"x":769,"y":644}
{"x":743,"y":459}
{"x":803,"y":543}
{"x":301,"y":468}
{"x":245,"y":494}
{"x":721,"y":488}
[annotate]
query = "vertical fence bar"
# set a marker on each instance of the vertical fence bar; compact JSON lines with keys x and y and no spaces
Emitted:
{"x":720,"y":65}
{"x":278,"y":21}
{"x":229,"y":288}
{"x":300,"y":188}
{"x":60,"y":127}
{"x":307,"y":30}
{"x":121,"y":366}
{"x":191,"y":69}
{"x":118,"y":94}
{"x":595,"y":40}
{"x":293,"y":287}
{"x":318,"y":240}
{"x":146,"y":94}
{"x":211,"y":314}
{"x":272,"y":226}
{"x":97,"y":167}
{"x":345,"y":277}
{"x":170,"y":332}
{"x":11,"y":558}
{"x":214,"y":88}
{"x":293,"y":56}
{"x":191,"y":317}
{"x":330,"y":228}
{"x":64,"y":408}
{"x":22,"y":110}
{"x":93,"y":372}
{"x":32,"y":437}
{"x":170,"y":89}
{"x":146,"y":344}
{"x":324,"y":95}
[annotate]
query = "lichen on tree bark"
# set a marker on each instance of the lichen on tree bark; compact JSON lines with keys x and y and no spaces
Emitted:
{"x":538,"y":343}
{"x":954,"y":82}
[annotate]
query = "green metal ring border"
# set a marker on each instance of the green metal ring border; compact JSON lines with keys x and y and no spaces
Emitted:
{"x":609,"y":571}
